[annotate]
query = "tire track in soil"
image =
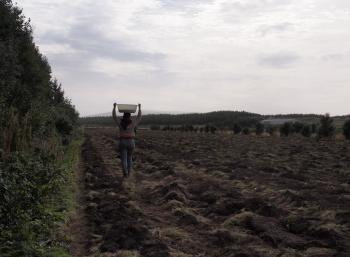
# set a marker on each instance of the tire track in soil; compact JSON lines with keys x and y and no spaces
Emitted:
{"x":168,"y":208}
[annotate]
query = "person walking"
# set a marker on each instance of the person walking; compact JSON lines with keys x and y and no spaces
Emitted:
{"x":127,"y":127}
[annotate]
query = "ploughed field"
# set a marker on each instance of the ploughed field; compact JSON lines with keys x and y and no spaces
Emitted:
{"x":209,"y":195}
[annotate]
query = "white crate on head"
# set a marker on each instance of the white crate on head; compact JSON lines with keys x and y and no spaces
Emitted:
{"x":130,"y":108}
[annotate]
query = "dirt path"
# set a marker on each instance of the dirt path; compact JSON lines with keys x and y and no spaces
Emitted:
{"x":205,"y":196}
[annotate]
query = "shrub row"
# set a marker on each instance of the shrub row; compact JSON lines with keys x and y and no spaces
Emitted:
{"x":325,"y":129}
{"x":187,"y":128}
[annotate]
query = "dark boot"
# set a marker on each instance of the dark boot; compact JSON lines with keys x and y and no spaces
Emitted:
{"x":125,"y":174}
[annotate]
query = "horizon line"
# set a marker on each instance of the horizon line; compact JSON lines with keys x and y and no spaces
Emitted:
{"x":106,"y":114}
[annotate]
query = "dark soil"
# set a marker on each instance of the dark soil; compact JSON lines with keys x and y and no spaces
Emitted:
{"x":209,"y":195}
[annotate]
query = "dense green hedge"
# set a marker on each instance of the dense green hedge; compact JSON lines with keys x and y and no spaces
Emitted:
{"x":37,"y":193}
{"x":37,"y":130}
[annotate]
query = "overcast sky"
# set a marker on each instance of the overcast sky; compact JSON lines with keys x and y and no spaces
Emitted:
{"x":264,"y":56}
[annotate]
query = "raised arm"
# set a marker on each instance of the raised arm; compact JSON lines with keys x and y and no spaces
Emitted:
{"x":114,"y":115}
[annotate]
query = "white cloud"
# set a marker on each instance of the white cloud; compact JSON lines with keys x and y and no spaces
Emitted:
{"x":197,"y":55}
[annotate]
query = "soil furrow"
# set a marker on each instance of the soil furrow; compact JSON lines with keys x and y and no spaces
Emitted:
{"x":214,"y":195}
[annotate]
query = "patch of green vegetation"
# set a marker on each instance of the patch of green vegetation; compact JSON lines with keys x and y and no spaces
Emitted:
{"x":67,"y":196}
{"x":38,"y":195}
{"x":64,"y":203}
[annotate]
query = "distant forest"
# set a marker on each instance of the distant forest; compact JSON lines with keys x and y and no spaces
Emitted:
{"x":220,"y":119}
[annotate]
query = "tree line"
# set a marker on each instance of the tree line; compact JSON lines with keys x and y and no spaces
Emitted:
{"x":325,"y":128}
{"x":219,"y":119}
{"x":37,"y":124}
{"x":238,"y":122}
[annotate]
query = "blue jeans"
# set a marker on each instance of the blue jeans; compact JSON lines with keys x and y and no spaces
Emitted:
{"x":126,"y":148}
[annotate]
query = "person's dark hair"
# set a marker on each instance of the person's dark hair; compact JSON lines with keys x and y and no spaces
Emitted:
{"x":126,"y":120}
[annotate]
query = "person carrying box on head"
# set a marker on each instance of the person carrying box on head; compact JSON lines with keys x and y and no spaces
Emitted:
{"x":127,"y":127}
